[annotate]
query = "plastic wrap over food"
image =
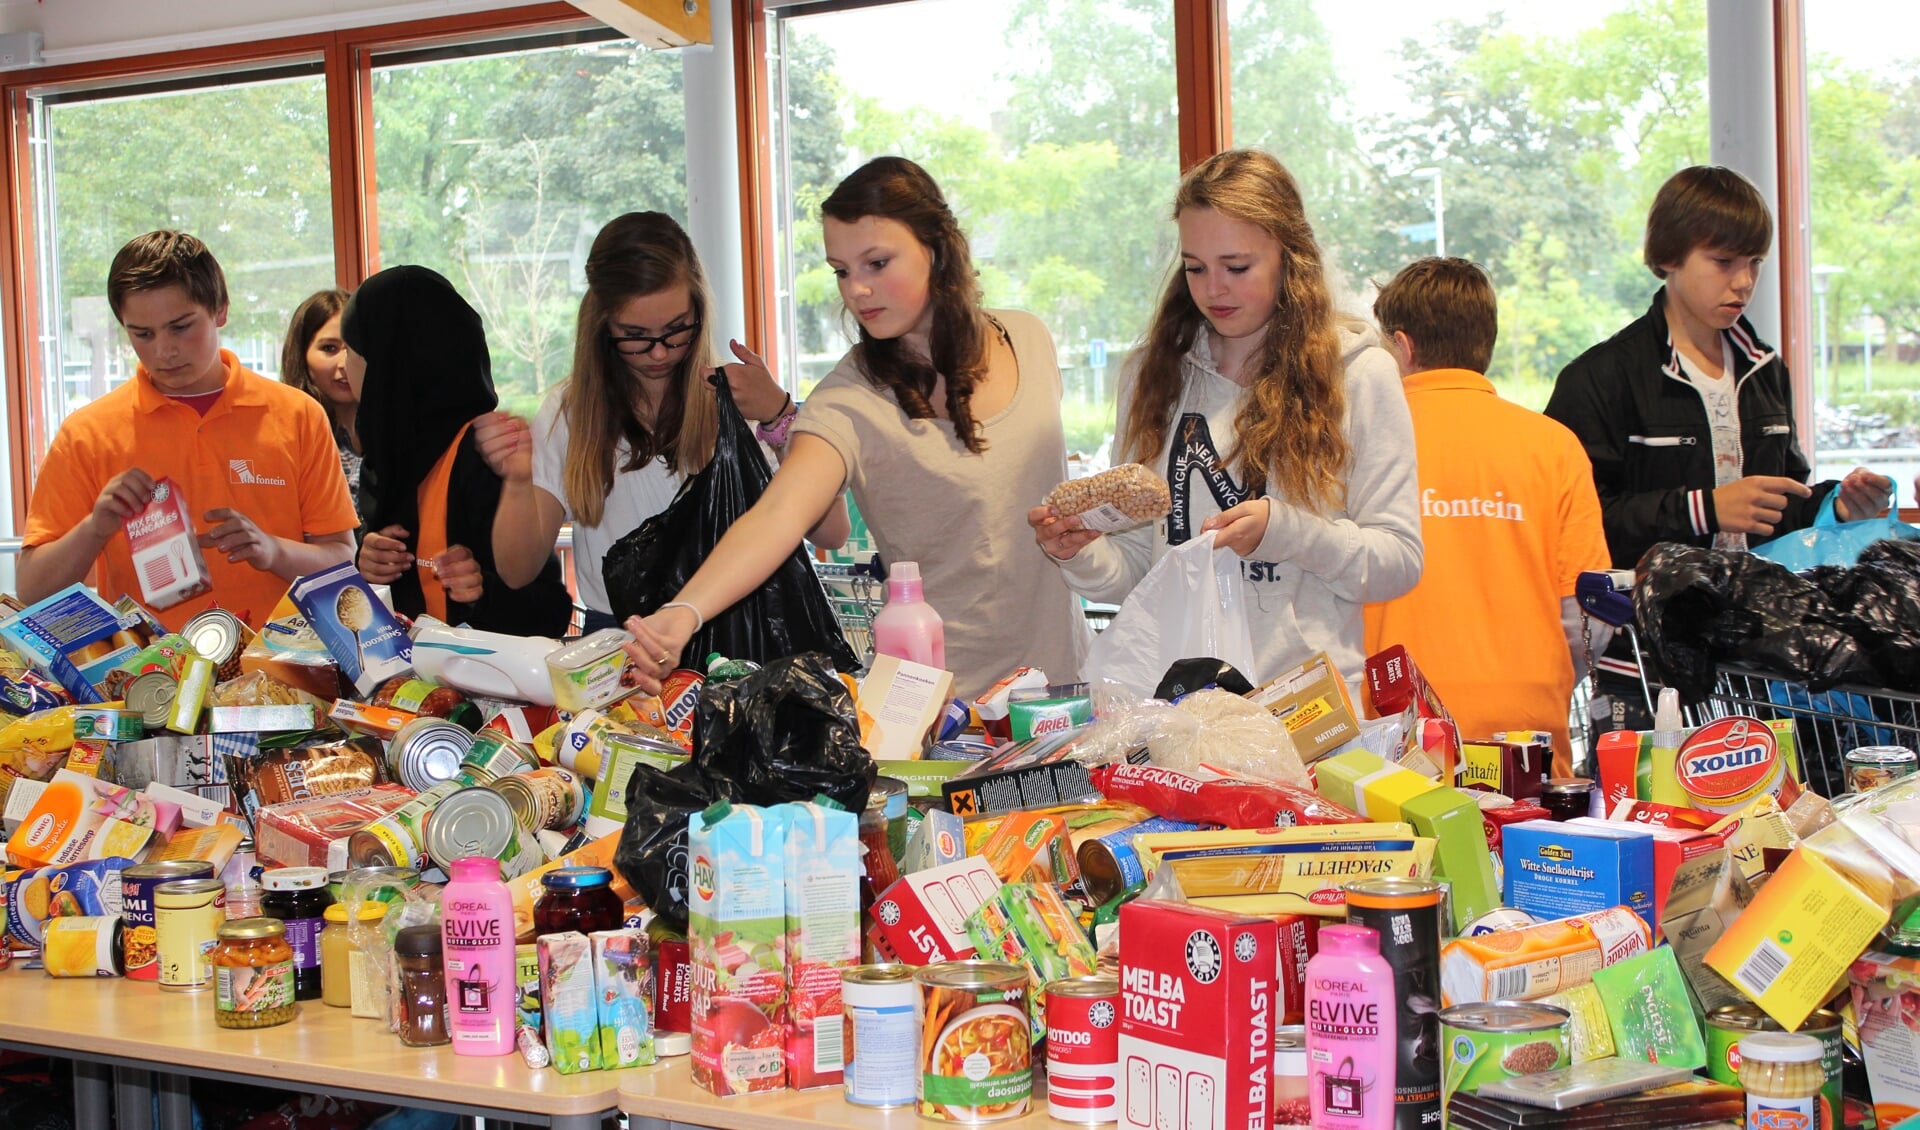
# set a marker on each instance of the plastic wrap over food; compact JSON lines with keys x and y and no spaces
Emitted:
{"x":1220,"y":730}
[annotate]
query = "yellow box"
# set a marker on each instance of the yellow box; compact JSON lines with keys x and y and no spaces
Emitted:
{"x":1792,"y":945}
{"x":1149,"y":845}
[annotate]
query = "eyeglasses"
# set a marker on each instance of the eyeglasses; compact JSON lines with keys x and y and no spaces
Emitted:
{"x":639,"y":345}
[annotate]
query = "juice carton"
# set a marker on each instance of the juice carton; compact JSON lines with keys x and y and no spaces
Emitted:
{"x":356,"y":626}
{"x":823,"y":937}
{"x":569,"y":1010}
{"x":526,"y":977}
{"x":623,"y":976}
{"x":737,"y":938}
{"x":166,"y":551}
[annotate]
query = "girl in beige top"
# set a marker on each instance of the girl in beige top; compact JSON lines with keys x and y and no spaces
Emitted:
{"x":944,"y":422}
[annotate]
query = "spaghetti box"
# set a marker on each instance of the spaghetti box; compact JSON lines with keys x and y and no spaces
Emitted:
{"x":1556,"y":870}
{"x":1672,"y":847}
{"x":1198,"y":998}
{"x":1312,"y":702}
{"x":1033,"y":774}
{"x":923,"y":916}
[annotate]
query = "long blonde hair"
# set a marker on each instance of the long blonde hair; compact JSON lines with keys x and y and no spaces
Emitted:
{"x":1289,"y":427}
{"x":636,"y":254}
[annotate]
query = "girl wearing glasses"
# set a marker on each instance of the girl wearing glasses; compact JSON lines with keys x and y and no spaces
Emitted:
{"x":610,"y":447}
{"x":944,"y":421}
{"x":417,"y":358}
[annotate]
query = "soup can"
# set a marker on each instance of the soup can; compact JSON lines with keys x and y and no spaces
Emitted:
{"x":1406,"y":914}
{"x":399,"y":839}
{"x":83,"y":947}
{"x":139,"y":943}
{"x":151,"y":697}
{"x":1498,"y":1040}
{"x":1871,"y":766}
{"x":976,"y":1052}
{"x":219,"y":636}
{"x":1109,"y":865}
{"x":426,"y":752}
{"x":493,"y":755}
{"x":881,"y":1035}
{"x":550,"y":799}
{"x":479,"y":821}
{"x":1083,"y":1049}
{"x":187,"y":914}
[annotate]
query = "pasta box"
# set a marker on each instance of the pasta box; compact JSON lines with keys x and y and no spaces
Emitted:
{"x":363,"y":637}
{"x":922,"y":917}
{"x":1197,"y":995}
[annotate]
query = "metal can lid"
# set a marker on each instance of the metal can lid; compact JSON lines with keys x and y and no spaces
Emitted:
{"x":428,"y":750}
{"x":475,"y":821}
{"x":1882,"y":755}
{"x":151,"y":696}
{"x":1743,"y":1018}
{"x":971,"y":975}
{"x":215,"y":634}
{"x":521,"y":798}
{"x":293,"y":878}
{"x":1089,"y":985}
{"x":1290,"y":1037}
{"x":192,"y":890}
{"x":1504,"y":1016}
{"x":673,"y":1043}
{"x":167,"y":869}
{"x":574,"y":878}
{"x":880,"y":973}
{"x":242,"y":929}
{"x":1391,"y":892}
{"x":1570,"y":785}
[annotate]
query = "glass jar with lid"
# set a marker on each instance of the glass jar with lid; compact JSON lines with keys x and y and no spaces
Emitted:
{"x":252,"y":974}
{"x":420,"y":1000}
{"x":298,"y":897}
{"x":577,"y":898}
{"x":1782,"y":1076}
{"x":344,"y":966}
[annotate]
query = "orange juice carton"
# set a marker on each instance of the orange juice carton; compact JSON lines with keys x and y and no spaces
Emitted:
{"x":922,"y":917}
{"x":737,"y":946}
{"x":823,"y":871}
{"x":1793,"y":944}
{"x":166,"y":551}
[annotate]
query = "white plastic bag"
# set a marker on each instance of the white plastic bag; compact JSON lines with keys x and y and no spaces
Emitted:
{"x":1192,"y":603}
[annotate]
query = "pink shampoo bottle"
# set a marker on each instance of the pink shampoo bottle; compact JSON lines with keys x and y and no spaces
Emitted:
{"x":908,"y":627}
{"x":1350,"y":1032}
{"x":476,"y":931}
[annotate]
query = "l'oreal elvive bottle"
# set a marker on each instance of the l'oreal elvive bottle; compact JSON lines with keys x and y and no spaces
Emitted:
{"x":908,"y":627}
{"x":1350,"y":1032}
{"x":476,"y":930}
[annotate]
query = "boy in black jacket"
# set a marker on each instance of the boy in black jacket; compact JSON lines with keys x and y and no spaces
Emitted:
{"x":1685,"y":413}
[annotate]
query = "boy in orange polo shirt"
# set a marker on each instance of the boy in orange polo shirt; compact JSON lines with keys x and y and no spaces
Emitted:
{"x":1508,"y":513}
{"x":254,"y":457}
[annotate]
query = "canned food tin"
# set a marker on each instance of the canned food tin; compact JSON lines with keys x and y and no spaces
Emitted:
{"x":190,"y":696}
{"x":976,"y":1056}
{"x":881,"y":1034}
{"x":1083,"y":1049}
{"x":492,"y":755}
{"x":138,"y":940}
{"x":219,"y":636}
{"x":187,"y":914}
{"x":151,"y":696}
{"x":426,"y":752}
{"x":399,"y":839}
{"x":1498,"y":1040}
{"x":82,"y":947}
{"x":544,"y":800}
{"x":1109,"y":865}
{"x":1406,"y":913}
{"x":479,"y":821}
{"x":1871,"y":766}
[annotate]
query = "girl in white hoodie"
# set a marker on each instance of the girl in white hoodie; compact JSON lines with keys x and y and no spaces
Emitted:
{"x":1277,"y":423}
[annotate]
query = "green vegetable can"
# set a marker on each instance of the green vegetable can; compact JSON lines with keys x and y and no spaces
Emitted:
{"x":1498,"y":1040}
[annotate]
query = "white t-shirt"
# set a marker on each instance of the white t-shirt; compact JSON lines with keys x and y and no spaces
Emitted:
{"x":1721,"y":396}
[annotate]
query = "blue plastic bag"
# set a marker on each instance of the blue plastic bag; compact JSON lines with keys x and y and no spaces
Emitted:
{"x":1830,"y":541}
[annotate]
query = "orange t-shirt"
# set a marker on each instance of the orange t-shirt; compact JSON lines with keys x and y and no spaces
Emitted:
{"x":262,"y":449}
{"x":1510,"y":519}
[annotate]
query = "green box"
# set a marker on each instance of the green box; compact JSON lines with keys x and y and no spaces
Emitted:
{"x":1452,"y":819}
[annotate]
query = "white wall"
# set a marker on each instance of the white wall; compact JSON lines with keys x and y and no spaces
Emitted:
{"x":82,"y":30}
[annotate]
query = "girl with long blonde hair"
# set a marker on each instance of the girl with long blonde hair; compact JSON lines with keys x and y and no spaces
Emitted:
{"x":610,"y":447}
{"x":1280,"y":426}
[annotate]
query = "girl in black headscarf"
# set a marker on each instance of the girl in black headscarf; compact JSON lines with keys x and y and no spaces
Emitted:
{"x":418,"y":355}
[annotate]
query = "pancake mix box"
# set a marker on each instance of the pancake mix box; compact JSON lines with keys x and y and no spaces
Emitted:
{"x":1197,"y":995}
{"x":166,"y":551}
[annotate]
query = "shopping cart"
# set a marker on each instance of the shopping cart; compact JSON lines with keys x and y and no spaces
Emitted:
{"x":1827,"y":724}
{"x":855,"y":590}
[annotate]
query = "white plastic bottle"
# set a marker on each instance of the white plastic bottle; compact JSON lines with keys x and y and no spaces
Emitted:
{"x":908,"y":627}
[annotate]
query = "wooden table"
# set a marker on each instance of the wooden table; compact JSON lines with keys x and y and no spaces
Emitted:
{"x":130,"y":1041}
{"x":666,"y":1092}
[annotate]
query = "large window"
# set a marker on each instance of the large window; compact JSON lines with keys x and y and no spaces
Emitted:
{"x":239,"y":160}
{"x":1050,"y":125}
{"x":496,"y":165}
{"x":1528,"y":138}
{"x":1864,"y":119}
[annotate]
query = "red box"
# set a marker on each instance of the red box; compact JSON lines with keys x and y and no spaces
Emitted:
{"x":923,"y":917}
{"x":1494,"y":819}
{"x":1671,"y":848}
{"x":1299,"y":940}
{"x":1196,"y":1027}
{"x":313,"y":832}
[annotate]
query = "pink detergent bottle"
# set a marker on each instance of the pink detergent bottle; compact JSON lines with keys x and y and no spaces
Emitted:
{"x":908,"y":627}
{"x":476,"y":930}
{"x":1351,"y":1049}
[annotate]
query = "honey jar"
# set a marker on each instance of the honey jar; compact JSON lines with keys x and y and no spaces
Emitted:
{"x":253,"y":974}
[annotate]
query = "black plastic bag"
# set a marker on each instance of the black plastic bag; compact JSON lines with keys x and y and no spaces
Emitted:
{"x":1190,"y":675}
{"x":1879,"y":599}
{"x":783,"y":733}
{"x":788,"y":614}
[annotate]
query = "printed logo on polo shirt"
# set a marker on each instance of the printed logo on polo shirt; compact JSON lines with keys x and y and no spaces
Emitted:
{"x":1495,"y":507}
{"x":241,"y":471}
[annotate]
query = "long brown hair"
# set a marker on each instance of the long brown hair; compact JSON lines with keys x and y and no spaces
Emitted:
{"x":895,"y":188}
{"x":1289,"y":427}
{"x":308,"y":317}
{"x":636,"y":254}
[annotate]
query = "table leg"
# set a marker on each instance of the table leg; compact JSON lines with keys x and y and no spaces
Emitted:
{"x":92,"y":1094}
{"x":176,"y":1102}
{"x":133,"y":1098}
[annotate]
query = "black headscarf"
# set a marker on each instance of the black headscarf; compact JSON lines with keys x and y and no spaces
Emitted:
{"x":428,"y":373}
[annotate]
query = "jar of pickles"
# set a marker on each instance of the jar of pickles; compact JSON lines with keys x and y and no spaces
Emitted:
{"x":252,"y":974}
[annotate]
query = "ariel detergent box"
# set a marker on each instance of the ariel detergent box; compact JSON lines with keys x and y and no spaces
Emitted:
{"x":359,"y":631}
{"x":737,"y":947}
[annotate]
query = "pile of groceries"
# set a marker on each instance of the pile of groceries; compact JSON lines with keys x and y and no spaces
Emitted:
{"x":1224,"y":906}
